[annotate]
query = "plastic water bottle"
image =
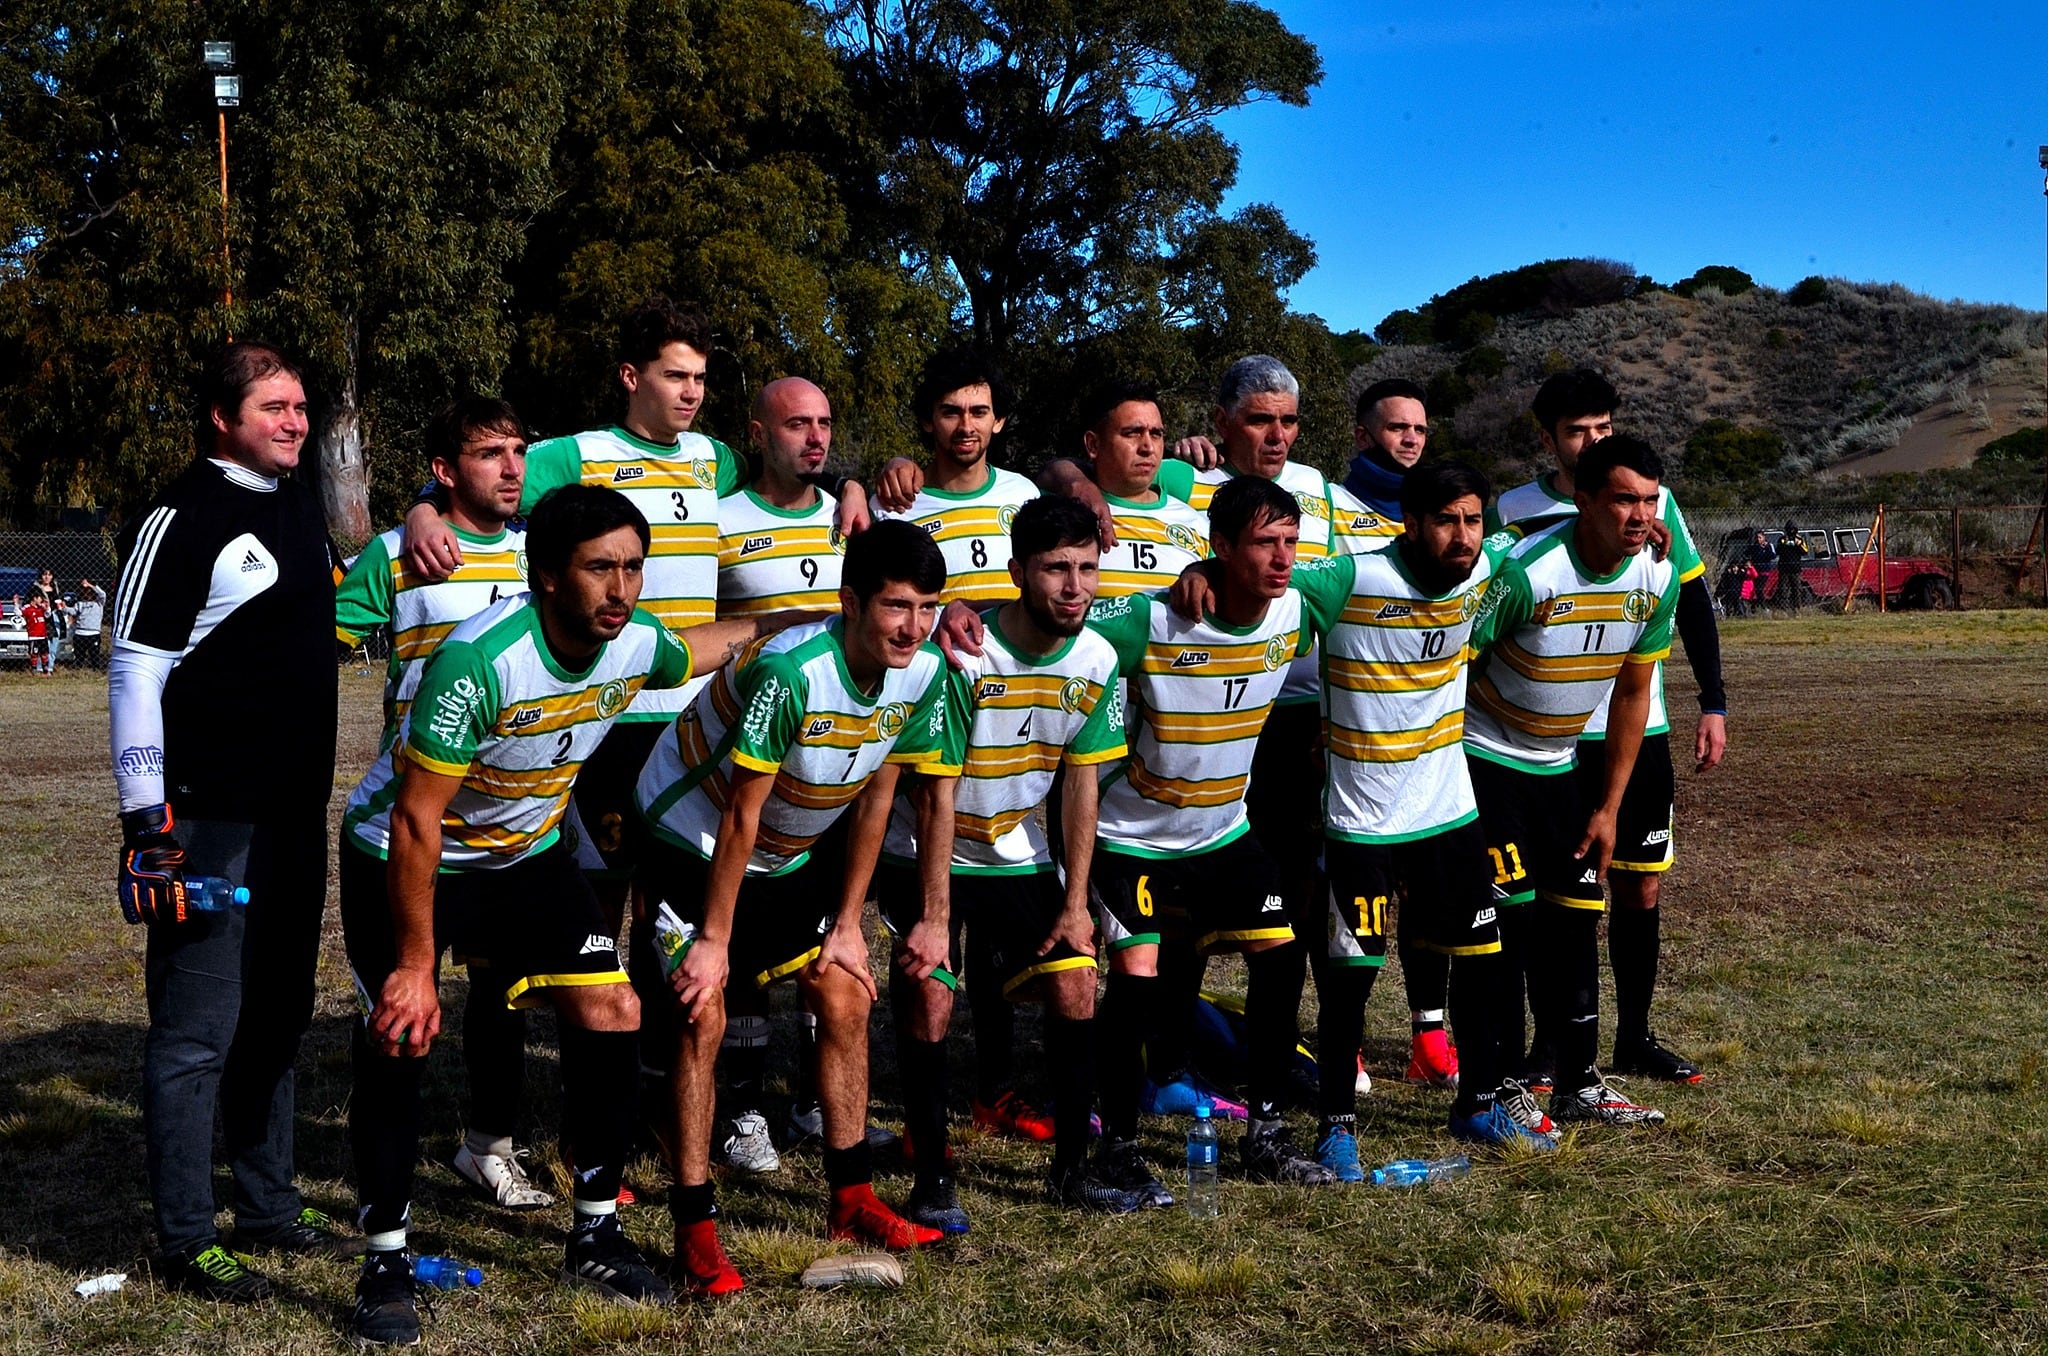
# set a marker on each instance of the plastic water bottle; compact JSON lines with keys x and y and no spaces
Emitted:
{"x":1407,"y":1172}
{"x":445,"y":1273}
{"x":211,"y":894}
{"x":1202,"y":1165}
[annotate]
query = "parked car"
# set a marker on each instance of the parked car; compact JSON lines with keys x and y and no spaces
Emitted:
{"x":1832,"y":557}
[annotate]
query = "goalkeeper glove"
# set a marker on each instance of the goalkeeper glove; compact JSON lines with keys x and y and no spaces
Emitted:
{"x":152,"y":868}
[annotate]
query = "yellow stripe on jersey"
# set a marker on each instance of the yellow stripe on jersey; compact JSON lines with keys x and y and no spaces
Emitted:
{"x":987,"y":828}
{"x":1392,"y":676}
{"x":1488,"y":698}
{"x":1013,"y":760}
{"x":1396,"y":746}
{"x":1218,"y":660}
{"x":517,"y":783}
{"x":1181,"y":793}
{"x":1421,"y":614}
{"x":1593,"y":667}
{"x":541,"y":714}
{"x":650,"y":472}
{"x":1204,"y":727}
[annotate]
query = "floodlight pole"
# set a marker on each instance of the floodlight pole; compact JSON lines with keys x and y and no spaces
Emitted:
{"x":227,"y":290}
{"x":219,"y":60}
{"x":2044,"y":487}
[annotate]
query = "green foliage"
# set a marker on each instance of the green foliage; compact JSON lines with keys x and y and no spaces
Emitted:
{"x":1404,"y":327}
{"x":1776,"y":338}
{"x":1808,"y":291}
{"x":1482,"y":364}
{"x":2024,"y":447}
{"x":1722,"y":450}
{"x":1732,"y":282}
{"x":1354,"y":347}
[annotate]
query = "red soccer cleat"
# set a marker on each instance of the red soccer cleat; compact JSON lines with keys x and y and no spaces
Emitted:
{"x":702,"y":1268}
{"x":858,"y":1215}
{"x":1011,"y":1115}
{"x":1433,"y":1060}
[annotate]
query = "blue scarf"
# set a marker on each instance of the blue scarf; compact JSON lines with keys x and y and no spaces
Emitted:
{"x":1375,"y":486}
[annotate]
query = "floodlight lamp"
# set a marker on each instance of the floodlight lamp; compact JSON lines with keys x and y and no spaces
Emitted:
{"x":217,"y":56}
{"x":227,"y":91}
{"x":2044,"y":157}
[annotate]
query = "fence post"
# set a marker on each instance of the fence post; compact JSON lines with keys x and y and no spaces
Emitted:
{"x":1880,"y":558}
{"x":1955,"y":552}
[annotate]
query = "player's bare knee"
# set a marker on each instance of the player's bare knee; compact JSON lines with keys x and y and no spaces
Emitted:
{"x":601,"y":1007}
{"x":1070,"y":994}
{"x":1634,"y":889}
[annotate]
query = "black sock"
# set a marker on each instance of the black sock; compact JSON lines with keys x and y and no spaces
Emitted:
{"x":994,"y":1020}
{"x":383,"y":1131}
{"x":1167,"y":1049}
{"x":1426,"y":975}
{"x":493,"y":1054}
{"x":600,"y":1097}
{"x":660,"y":1019}
{"x":743,"y":1059}
{"x":805,"y":1082}
{"x":1516,"y":942}
{"x":1070,"y":1054}
{"x":1272,"y":1011}
{"x":1568,"y":958}
{"x":1478,"y":999}
{"x":1340,"y":1026}
{"x":852,"y":1166}
{"x":922,"y":1066}
{"x":1633,"y":939}
{"x":1129,"y":1016}
{"x":689,"y":1204}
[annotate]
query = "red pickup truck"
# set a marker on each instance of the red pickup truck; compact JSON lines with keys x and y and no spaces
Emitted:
{"x":1833,"y":555}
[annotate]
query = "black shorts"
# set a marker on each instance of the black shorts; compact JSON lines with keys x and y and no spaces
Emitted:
{"x":1642,"y":832}
{"x":536,"y":923}
{"x":1006,"y":917}
{"x":1285,"y":800}
{"x":778,"y":924}
{"x":1443,"y":881}
{"x":605,"y":814}
{"x":1532,"y":823}
{"x":1220,"y":899}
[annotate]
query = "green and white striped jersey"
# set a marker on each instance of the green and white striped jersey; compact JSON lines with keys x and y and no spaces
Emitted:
{"x":770,"y":558}
{"x":1154,"y":542}
{"x":1318,"y":541}
{"x":1357,"y":526}
{"x":1199,"y":693}
{"x":677,"y":487}
{"x":380,"y":590}
{"x":1528,"y":509}
{"x":497,"y":709}
{"x":1555,"y":636}
{"x":1394,"y":670}
{"x":788,"y":706}
{"x":972,"y":529}
{"x":1025,"y":716}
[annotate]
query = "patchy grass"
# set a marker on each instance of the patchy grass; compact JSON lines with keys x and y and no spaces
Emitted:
{"x":1853,"y":948}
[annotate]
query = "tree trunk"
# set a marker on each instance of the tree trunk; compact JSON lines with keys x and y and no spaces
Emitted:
{"x":344,"y":482}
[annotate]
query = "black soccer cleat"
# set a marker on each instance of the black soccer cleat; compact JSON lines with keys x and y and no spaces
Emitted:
{"x":600,"y":1257}
{"x":309,"y":1234}
{"x":1118,"y":1162}
{"x":1650,"y":1058}
{"x":1270,"y":1156}
{"x":214,"y":1273}
{"x":1082,"y":1187}
{"x":936,"y":1205}
{"x":387,"y":1309}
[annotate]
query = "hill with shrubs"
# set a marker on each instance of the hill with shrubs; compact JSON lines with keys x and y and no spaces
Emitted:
{"x":1754,"y":393}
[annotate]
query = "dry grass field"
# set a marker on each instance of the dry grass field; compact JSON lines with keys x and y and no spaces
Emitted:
{"x":1854,"y":949}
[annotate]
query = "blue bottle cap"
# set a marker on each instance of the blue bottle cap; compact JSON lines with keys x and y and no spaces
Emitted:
{"x":1201,"y":1111}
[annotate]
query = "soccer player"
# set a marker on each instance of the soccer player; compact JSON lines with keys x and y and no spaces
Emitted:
{"x":1579,"y":618}
{"x":967,"y":505}
{"x":222,"y":694}
{"x":1157,"y":535}
{"x":738,"y":792}
{"x":1042,"y":695}
{"x":1177,"y":864}
{"x":1390,"y":435}
{"x":454,"y":839}
{"x":476,"y":449}
{"x":1575,"y":409}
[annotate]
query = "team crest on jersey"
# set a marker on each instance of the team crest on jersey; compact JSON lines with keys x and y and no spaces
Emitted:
{"x":626,"y":473}
{"x":523,"y":717}
{"x":753,"y":544}
{"x":1276,"y":653}
{"x":1183,"y":538}
{"x":1190,"y":659}
{"x":1393,"y":612}
{"x":892,"y":719}
{"x":838,"y":541}
{"x":1006,"y":515}
{"x":1637,"y":606}
{"x":701,"y":470}
{"x":1072,"y":693}
{"x":1314,"y":505}
{"x":611,"y":699}
{"x":990,"y":689}
{"x":820,"y":725}
{"x":519,"y":563}
{"x":1468,"y":605}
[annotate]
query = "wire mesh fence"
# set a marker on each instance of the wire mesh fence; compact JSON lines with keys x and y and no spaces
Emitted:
{"x":74,"y":573}
{"x":1979,"y":557}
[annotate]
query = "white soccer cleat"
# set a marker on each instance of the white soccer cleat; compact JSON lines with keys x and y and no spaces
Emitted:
{"x":501,"y":1178}
{"x":750,"y":1148}
{"x":1363,"y":1083}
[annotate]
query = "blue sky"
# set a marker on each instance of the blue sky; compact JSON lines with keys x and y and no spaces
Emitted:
{"x":1876,"y":142}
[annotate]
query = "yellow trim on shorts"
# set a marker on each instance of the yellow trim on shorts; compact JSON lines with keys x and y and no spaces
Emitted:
{"x":1279,"y":934}
{"x":1642,"y":868}
{"x":786,"y":969}
{"x":1596,"y":905}
{"x":1490,"y":949}
{"x":524,"y":994}
{"x":1043,"y":968}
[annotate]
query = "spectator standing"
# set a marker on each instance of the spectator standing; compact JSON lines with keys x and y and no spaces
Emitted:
{"x":1792,"y":550}
{"x":35,"y":619}
{"x":85,"y":627}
